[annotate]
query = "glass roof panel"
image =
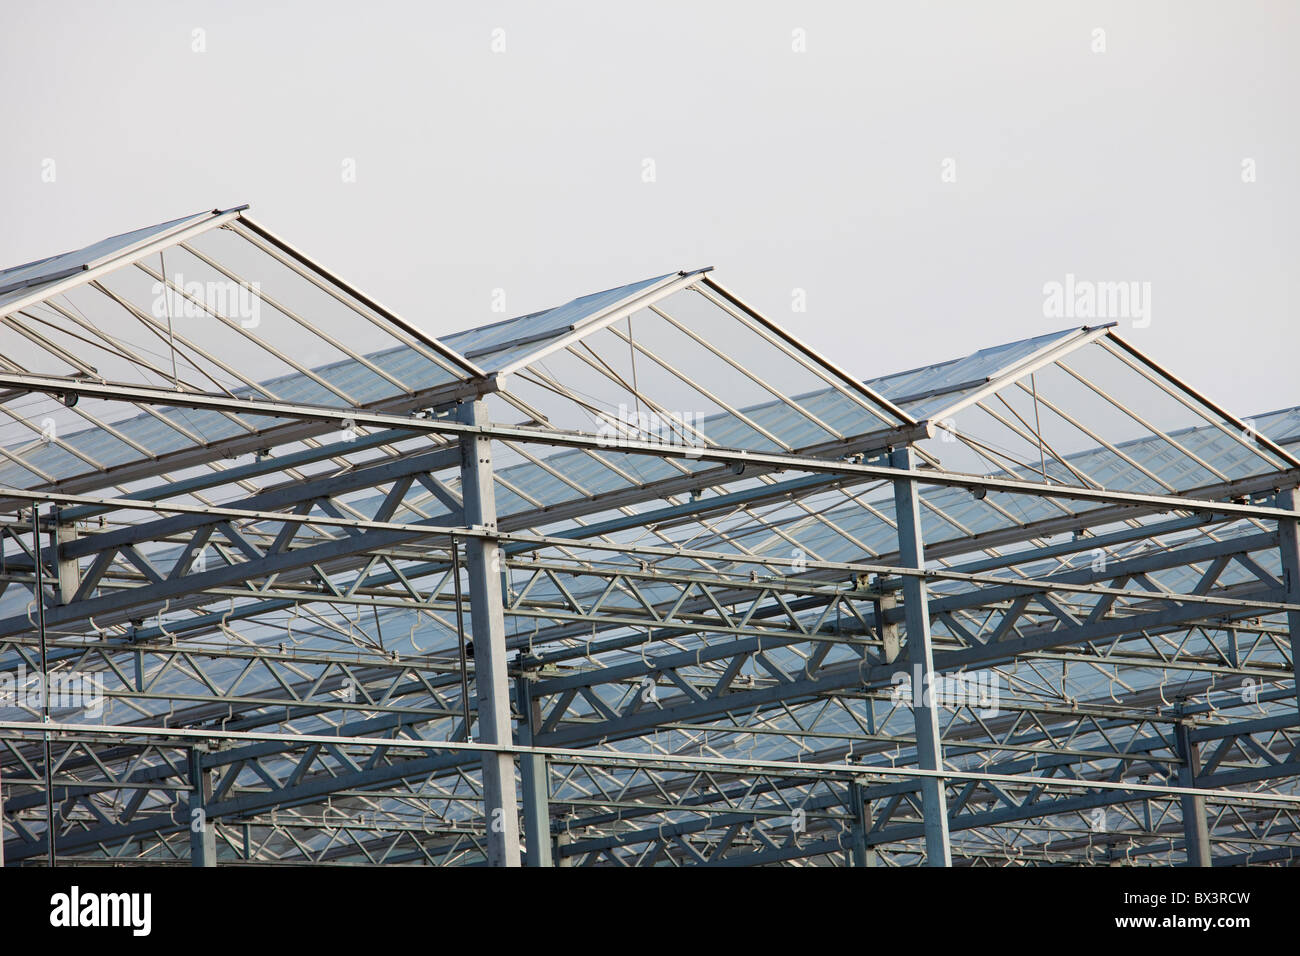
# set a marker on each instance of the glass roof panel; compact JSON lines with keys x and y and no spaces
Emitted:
{"x":20,"y":279}
{"x":497,"y":345}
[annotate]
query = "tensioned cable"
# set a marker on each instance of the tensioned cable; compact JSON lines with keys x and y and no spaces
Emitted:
{"x":1038,"y":430}
{"x":631,"y":351}
{"x":171,"y":341}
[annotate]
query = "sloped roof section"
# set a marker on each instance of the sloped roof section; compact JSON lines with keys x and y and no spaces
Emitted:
{"x":44,"y":272}
{"x":210,"y":303}
{"x":500,"y":344}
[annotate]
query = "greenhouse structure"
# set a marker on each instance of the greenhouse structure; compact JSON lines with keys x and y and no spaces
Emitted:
{"x":639,"y":580}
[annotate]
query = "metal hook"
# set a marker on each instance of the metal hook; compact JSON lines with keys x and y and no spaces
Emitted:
{"x":288,"y":627}
{"x":352,"y":631}
{"x":415,"y":623}
{"x":162,"y":626}
{"x":229,"y":611}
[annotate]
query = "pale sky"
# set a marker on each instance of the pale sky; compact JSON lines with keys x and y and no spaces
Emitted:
{"x":794,"y":146}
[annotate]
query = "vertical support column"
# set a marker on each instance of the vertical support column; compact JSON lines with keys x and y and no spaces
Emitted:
{"x":888,"y":629}
{"x":916,"y":617}
{"x":69,"y":572}
{"x":860,"y":814}
{"x":487,"y":621}
{"x":203,"y":833}
{"x":563,"y":839}
{"x":1196,"y":831}
{"x":534,"y":775}
{"x":1288,"y":536}
{"x":38,"y":592}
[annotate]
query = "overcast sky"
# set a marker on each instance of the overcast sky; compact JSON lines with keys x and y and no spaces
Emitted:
{"x":920,"y":171}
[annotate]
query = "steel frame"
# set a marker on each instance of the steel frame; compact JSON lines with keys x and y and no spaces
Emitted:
{"x":434,"y":621}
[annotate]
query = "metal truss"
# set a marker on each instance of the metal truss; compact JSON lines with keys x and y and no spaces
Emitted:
{"x":641,"y":580}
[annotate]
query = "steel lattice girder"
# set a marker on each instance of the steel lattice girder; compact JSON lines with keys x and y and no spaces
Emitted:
{"x":704,"y":615}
